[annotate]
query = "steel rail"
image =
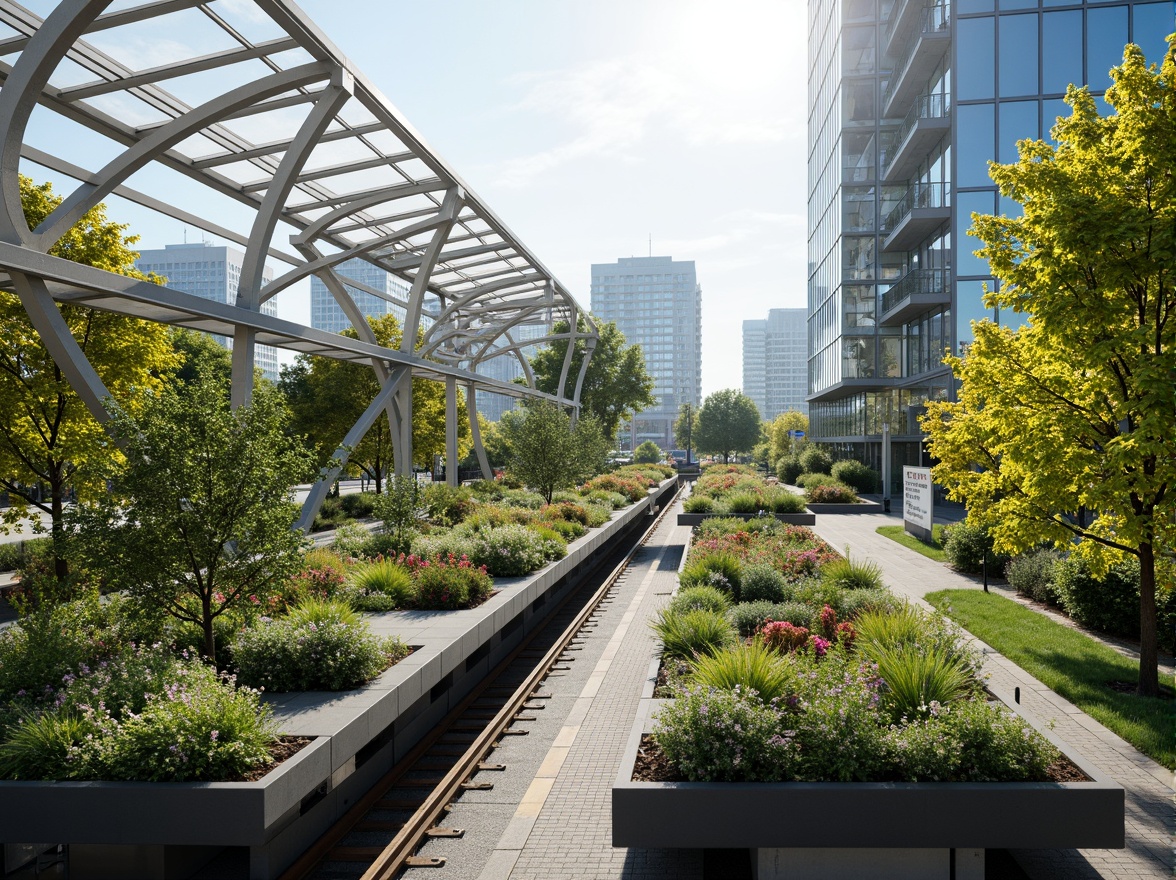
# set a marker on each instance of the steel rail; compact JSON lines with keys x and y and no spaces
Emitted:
{"x":399,"y":851}
{"x":398,"y":854}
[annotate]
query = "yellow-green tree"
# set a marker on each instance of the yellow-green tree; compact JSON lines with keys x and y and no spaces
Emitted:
{"x":1063,"y":431}
{"x":327,"y":397}
{"x":781,"y":432}
{"x":49,"y":441}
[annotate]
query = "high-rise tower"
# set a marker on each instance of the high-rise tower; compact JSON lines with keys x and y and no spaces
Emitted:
{"x":908,"y":102}
{"x":656,"y":303}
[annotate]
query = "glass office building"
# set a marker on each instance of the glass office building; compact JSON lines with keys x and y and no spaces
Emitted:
{"x":326,"y":314}
{"x":908,"y":102}
{"x":775,"y":351}
{"x":211,"y":272}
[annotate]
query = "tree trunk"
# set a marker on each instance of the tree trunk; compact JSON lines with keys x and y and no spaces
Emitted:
{"x":1149,"y":657}
{"x":209,"y":637}
{"x":57,"y":504}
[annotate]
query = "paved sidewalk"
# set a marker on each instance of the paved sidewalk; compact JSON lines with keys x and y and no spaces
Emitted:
{"x":563,"y":826}
{"x":1150,"y":817}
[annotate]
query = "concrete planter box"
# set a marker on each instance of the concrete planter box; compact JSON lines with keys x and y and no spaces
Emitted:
{"x":863,"y":507}
{"x":850,"y":829}
{"x":796,"y":519}
{"x":140,"y":830}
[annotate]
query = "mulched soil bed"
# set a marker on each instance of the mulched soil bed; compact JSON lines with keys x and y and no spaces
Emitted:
{"x":653,"y":766}
{"x":281,"y":749}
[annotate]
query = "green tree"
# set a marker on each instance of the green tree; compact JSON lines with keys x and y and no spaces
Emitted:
{"x":547,"y":452}
{"x":327,"y":397}
{"x":783,"y":443}
{"x":1063,"y":428}
{"x":728,"y":423}
{"x":685,"y":427}
{"x":648,"y":453}
{"x":616,"y":385}
{"x":48,"y":438}
{"x":202,"y":518}
{"x":199,"y":354}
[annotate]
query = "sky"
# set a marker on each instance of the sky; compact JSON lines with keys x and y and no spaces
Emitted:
{"x":604,"y":129}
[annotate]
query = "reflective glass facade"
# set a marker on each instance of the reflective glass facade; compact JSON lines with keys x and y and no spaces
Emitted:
{"x":211,"y":272}
{"x":909,"y":101}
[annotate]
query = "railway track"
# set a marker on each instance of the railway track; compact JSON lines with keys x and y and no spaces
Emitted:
{"x":378,"y":838}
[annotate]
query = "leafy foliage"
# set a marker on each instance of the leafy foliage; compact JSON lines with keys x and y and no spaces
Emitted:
{"x":648,"y":453}
{"x":1072,"y":413}
{"x":728,"y":423}
{"x":616,"y":385}
{"x":688,"y":634}
{"x":857,"y":475}
{"x":547,"y":452}
{"x":1032,"y":574}
{"x":699,"y":598}
{"x":302,"y":653}
{"x":202,"y":517}
{"x":47,"y":435}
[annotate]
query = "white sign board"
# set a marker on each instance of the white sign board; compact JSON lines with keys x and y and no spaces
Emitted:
{"x":917,"y":501}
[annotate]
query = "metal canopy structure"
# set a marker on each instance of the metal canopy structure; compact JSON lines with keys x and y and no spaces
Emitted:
{"x":260,"y":115}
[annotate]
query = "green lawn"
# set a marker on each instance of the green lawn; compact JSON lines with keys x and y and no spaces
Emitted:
{"x":1070,"y":664}
{"x":934,"y":550}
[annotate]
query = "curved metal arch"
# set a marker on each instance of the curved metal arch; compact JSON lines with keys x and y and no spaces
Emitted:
{"x":482,"y":277}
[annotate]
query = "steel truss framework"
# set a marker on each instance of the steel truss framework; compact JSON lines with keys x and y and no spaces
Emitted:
{"x":337,"y":168}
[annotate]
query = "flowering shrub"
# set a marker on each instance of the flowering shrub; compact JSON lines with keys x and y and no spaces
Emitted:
{"x":284,"y":655}
{"x":458,"y":542}
{"x":729,"y":736}
{"x":144,"y":715}
{"x":508,"y":551}
{"x":832,"y":494}
{"x":554,"y":545}
{"x":198,"y":728}
{"x":633,"y":488}
{"x":748,"y":617}
{"x":568,"y":511}
{"x":567,"y":531}
{"x":445,"y":583}
{"x":782,"y":636}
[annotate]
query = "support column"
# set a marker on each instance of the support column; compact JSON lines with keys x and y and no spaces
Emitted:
{"x":67,"y":354}
{"x":476,"y":433}
{"x":402,"y":412}
{"x":451,"y":476}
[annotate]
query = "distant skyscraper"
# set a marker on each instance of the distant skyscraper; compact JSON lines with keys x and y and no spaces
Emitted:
{"x":908,"y":102}
{"x":656,"y":303}
{"x":755,"y":374}
{"x":775,"y":355}
{"x":325,"y":313}
{"x":211,"y":272}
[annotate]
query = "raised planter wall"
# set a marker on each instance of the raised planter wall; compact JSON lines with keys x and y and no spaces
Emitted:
{"x":905,"y":831}
{"x":153,"y":831}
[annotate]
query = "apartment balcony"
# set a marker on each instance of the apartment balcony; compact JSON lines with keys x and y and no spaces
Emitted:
{"x":914,"y":293}
{"x":924,"y":50}
{"x":904,"y":18}
{"x":924,"y":207}
{"x":927,"y":122}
